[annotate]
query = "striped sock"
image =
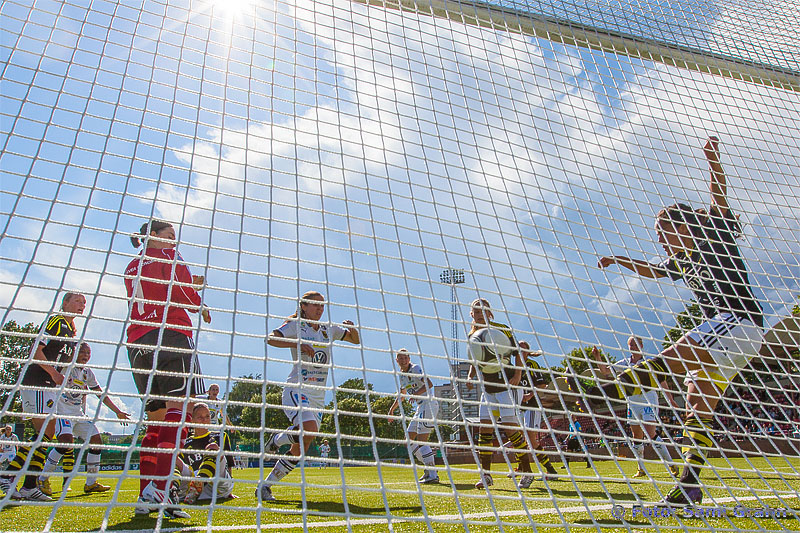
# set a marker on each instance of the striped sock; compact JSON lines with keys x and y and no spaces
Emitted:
{"x":485,"y":440}
{"x":517,"y":440}
{"x":68,"y":461}
{"x":696,"y":437}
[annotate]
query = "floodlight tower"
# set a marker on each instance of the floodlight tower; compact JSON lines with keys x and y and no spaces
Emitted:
{"x":453,"y":277}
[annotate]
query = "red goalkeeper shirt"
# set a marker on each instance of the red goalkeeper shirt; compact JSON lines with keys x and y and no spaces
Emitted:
{"x":147,"y":280}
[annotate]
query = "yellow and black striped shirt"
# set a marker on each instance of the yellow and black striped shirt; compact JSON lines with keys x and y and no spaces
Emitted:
{"x":59,"y":349}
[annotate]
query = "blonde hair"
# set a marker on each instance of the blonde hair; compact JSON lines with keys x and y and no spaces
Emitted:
{"x":484,"y":305}
{"x":303,"y":300}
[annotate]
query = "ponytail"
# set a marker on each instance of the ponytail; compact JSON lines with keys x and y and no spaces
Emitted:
{"x":152,"y":225}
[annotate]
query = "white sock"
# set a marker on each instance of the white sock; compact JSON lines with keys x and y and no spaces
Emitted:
{"x":282,"y":439}
{"x":638,"y":452}
{"x":662,"y":451}
{"x":51,"y":464}
{"x":92,"y":467}
{"x":426,"y":455}
{"x":281,"y":469}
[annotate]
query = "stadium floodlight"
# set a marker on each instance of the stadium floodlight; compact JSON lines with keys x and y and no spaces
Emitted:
{"x":453,"y":277}
{"x":575,"y":33}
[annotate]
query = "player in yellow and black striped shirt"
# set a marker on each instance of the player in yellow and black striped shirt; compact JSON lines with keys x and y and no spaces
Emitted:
{"x":55,"y":344}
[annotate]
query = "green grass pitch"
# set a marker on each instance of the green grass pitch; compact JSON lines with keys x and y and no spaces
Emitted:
{"x":380,"y":498}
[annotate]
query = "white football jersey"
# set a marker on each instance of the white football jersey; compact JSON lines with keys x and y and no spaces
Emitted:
{"x":74,"y":401}
{"x":413,"y":379}
{"x":311,"y":370}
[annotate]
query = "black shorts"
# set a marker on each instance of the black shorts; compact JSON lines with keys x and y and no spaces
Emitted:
{"x":188,"y":382}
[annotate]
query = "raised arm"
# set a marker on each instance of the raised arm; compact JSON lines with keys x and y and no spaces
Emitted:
{"x":718,"y":184}
{"x":602,"y":366}
{"x":643,"y":268}
{"x":352,"y":335}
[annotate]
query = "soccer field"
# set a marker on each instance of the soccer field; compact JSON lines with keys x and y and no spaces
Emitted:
{"x":377,"y":499}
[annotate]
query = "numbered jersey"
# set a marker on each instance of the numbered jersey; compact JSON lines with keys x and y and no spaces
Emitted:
{"x":73,"y":402}
{"x":413,"y":379}
{"x":311,"y":370}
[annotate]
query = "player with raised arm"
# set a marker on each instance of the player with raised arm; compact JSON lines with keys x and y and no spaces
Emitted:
{"x":210,"y":456}
{"x":532,"y":413}
{"x":415,"y":386}
{"x":42,"y":374}
{"x":311,"y":343}
{"x":702,"y":251}
{"x":73,"y":422}
{"x":642,"y":409}
{"x":162,"y":354}
{"x":497,"y":403}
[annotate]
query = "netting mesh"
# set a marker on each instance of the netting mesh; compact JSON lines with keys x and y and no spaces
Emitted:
{"x":402,"y":159}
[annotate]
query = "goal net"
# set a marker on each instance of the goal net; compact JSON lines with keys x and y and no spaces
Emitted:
{"x":398,"y":161}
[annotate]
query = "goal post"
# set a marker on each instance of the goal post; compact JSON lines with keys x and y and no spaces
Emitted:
{"x":496,"y":16}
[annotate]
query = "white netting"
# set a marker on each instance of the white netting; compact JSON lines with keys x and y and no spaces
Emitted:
{"x":401,"y":158}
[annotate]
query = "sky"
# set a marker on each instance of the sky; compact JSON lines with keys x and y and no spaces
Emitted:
{"x":360,"y":152}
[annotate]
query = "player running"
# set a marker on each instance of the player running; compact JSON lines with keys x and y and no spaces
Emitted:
{"x":702,"y":251}
{"x":311,"y":343}
{"x":497,"y":403}
{"x":42,"y":377}
{"x":73,"y":422}
{"x":415,"y":386}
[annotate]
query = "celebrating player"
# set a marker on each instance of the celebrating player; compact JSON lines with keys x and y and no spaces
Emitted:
{"x":418,"y":388}
{"x":205,"y":452}
{"x":163,"y":292}
{"x":73,"y":422}
{"x":55,"y":345}
{"x":702,"y":250}
{"x":211,"y":399}
{"x":532,"y":415}
{"x":497,"y":397}
{"x":642,"y":409}
{"x":311,"y":343}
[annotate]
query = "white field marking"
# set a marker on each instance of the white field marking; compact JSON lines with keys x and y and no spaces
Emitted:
{"x":429,"y":518}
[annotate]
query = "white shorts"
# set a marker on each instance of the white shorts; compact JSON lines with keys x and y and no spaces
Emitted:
{"x":501,"y":405}
{"x":424,"y":419}
{"x":7,"y":457}
{"x":642,"y":412}
{"x":731,"y":341}
{"x":79,"y":429}
{"x":532,"y":418}
{"x":299,"y":408}
{"x":39,"y":402}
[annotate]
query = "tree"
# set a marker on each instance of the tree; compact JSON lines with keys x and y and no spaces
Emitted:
{"x":579,"y":359}
{"x":249,"y":391}
{"x":14,"y":349}
{"x":684,"y":322}
{"x":353,"y":388}
{"x":389,"y":428}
